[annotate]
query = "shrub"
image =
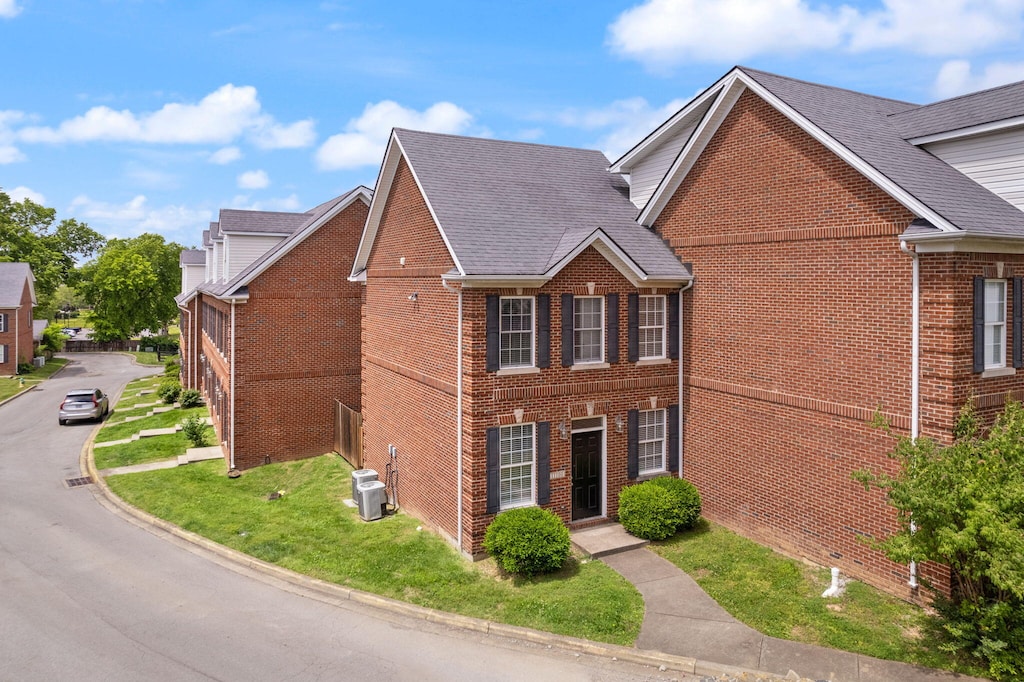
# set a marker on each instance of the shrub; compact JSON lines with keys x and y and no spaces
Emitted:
{"x":168,"y":391}
{"x":25,"y":368}
{"x":194,"y":429}
{"x":528,"y":541}
{"x":171,"y":368}
{"x":649,"y":511}
{"x":190,"y":397}
{"x":53,"y":338}
{"x":686,"y":499}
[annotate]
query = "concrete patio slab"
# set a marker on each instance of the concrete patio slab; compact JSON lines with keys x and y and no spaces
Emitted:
{"x":604,"y":540}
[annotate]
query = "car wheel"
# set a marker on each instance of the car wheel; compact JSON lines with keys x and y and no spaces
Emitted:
{"x":62,"y":422}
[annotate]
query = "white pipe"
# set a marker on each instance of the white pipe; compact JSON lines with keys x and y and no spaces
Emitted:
{"x":458,"y":414}
{"x":17,"y":337}
{"x":679,"y":361}
{"x":231,"y":439}
{"x":915,"y":360}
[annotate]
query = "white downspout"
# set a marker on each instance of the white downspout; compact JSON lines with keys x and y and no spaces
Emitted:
{"x":458,"y":414}
{"x":17,"y":337}
{"x":915,"y":359}
{"x":679,"y":361}
{"x":231,"y":440}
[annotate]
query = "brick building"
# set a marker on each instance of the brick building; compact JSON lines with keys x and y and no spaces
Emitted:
{"x":852,"y":254}
{"x":17,"y":300}
{"x":520,"y":333}
{"x":271,"y":336}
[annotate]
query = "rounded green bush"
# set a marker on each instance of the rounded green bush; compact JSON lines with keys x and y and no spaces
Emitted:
{"x":648,"y":511}
{"x":190,"y":397}
{"x":168,"y":391}
{"x":687,"y":499}
{"x":528,"y":541}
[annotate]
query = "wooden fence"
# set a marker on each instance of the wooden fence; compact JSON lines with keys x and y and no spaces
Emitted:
{"x":348,"y":435}
{"x":89,"y":346}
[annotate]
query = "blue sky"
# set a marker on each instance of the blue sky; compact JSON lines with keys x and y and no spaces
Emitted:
{"x":149,"y":116}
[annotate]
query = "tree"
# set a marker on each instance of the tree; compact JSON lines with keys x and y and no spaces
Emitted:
{"x":132,"y":286}
{"x":962,"y":506}
{"x":28,"y":235}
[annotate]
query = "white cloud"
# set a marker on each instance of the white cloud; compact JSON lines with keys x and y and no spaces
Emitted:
{"x":22,"y":192}
{"x":364,"y":139}
{"x":136,"y":216}
{"x":223,"y":116}
{"x":955,"y":77}
{"x":10,"y":154}
{"x":225,"y":155}
{"x":256,"y":179}
{"x":624,"y":122}
{"x":9,"y":9}
{"x":288,"y":203}
{"x":665,"y":33}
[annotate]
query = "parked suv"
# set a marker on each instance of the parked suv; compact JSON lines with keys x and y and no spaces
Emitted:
{"x":83,"y":403}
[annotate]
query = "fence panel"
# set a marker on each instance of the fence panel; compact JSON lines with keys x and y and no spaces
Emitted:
{"x":348,"y":435}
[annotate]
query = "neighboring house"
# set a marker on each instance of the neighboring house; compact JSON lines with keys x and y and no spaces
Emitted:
{"x":520,"y":333}
{"x":853,"y":256}
{"x":273,"y":338}
{"x":17,"y":299}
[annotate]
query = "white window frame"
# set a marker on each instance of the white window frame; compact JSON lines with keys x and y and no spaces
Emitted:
{"x":995,"y":326}
{"x":647,"y":435}
{"x":3,"y":352}
{"x":504,"y":333}
{"x":662,"y":328}
{"x":525,"y":494}
{"x":3,"y":322}
{"x":576,"y":346}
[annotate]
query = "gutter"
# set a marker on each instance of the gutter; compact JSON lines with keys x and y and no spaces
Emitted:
{"x":231,"y":437}
{"x":679,"y":426}
{"x":915,"y":372}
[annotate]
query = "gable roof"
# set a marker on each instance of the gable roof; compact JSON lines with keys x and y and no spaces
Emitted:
{"x":13,"y":277}
{"x":192,"y":257}
{"x":234,"y":221}
{"x":515,"y":211}
{"x":313,"y":220}
{"x":863,"y":130}
{"x":993,"y":108}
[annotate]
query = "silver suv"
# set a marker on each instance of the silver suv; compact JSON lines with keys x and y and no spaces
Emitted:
{"x":83,"y":403}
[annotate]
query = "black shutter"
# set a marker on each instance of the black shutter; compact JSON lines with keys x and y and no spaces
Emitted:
{"x":567,"y":327}
{"x":633,"y":444}
{"x":612,"y":303}
{"x":543,"y":330}
{"x":493,"y":332}
{"x":672,"y":415}
{"x":543,"y":462}
{"x":633,"y":322}
{"x":673,"y":326}
{"x":493,"y":470}
{"x":979,"y":324}
{"x":1018,"y":324}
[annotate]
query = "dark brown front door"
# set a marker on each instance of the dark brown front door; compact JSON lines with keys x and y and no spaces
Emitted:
{"x":586,"y":474}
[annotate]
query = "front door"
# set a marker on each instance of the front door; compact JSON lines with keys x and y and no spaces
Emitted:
{"x":586,"y":474}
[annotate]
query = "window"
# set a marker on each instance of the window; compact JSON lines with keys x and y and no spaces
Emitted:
{"x":516,"y":332}
{"x":3,"y":353}
{"x":588,"y":329}
{"x":516,"y":464}
{"x":3,"y":322}
{"x":652,"y":327}
{"x":995,"y":323}
{"x":651,"y":441}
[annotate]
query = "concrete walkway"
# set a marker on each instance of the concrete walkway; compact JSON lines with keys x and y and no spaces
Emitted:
{"x":191,"y":455}
{"x":681,"y":619}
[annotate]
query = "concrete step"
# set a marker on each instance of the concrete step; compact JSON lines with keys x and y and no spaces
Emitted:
{"x":610,"y":538}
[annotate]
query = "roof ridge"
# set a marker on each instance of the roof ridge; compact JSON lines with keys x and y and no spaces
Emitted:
{"x":969,"y":95}
{"x":498,"y":141}
{"x":747,"y":69}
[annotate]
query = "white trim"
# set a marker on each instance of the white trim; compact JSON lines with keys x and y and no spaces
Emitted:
{"x":979,"y":129}
{"x":664,"y":443}
{"x":664,"y":328}
{"x":999,"y":324}
{"x":603,"y":428}
{"x":533,"y":466}
{"x":602,"y":328}
{"x":730,"y":86}
{"x":947,"y":242}
{"x":231,"y":446}
{"x":382,"y":193}
{"x":502,"y":333}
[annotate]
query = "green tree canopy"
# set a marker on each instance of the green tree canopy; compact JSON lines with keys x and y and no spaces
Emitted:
{"x":132,"y":286}
{"x":28,"y":234}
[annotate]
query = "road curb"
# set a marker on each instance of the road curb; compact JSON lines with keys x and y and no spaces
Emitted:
{"x":335,"y":594}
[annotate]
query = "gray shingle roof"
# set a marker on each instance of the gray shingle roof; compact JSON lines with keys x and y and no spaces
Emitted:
{"x":965,"y":111}
{"x":192,"y":257}
{"x":12,"y":283}
{"x":864,"y":124}
{"x":512,"y":208}
{"x":206,"y":236}
{"x":265,"y":222}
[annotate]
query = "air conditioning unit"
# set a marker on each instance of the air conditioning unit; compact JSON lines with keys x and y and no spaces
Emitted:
{"x":371,"y":500}
{"x":39,"y":361}
{"x":361,"y":476}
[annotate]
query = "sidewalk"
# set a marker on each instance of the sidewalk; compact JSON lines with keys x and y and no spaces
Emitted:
{"x":681,"y":619}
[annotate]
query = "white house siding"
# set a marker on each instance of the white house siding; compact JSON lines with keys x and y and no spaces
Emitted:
{"x":208,"y":269}
{"x":191,"y":277}
{"x":994,"y":160}
{"x":648,"y":172}
{"x":218,"y":260}
{"x":242,"y":250}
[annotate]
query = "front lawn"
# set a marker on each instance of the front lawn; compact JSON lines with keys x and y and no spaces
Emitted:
{"x":13,"y":385}
{"x":310,"y":530}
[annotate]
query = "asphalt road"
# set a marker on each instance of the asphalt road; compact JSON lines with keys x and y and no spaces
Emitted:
{"x":88,"y":594}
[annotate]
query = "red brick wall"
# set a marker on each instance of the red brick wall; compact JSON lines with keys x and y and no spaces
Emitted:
{"x":18,"y":337}
{"x":797,"y":330}
{"x":298,"y":339}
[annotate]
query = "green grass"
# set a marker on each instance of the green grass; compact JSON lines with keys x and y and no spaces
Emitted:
{"x":12,"y":386}
{"x":781,"y":597}
{"x":153,"y":449}
{"x":311,"y":531}
{"x":162,"y":420}
{"x":130,"y":396}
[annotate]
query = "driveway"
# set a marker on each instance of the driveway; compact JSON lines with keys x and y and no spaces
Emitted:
{"x":87,"y":594}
